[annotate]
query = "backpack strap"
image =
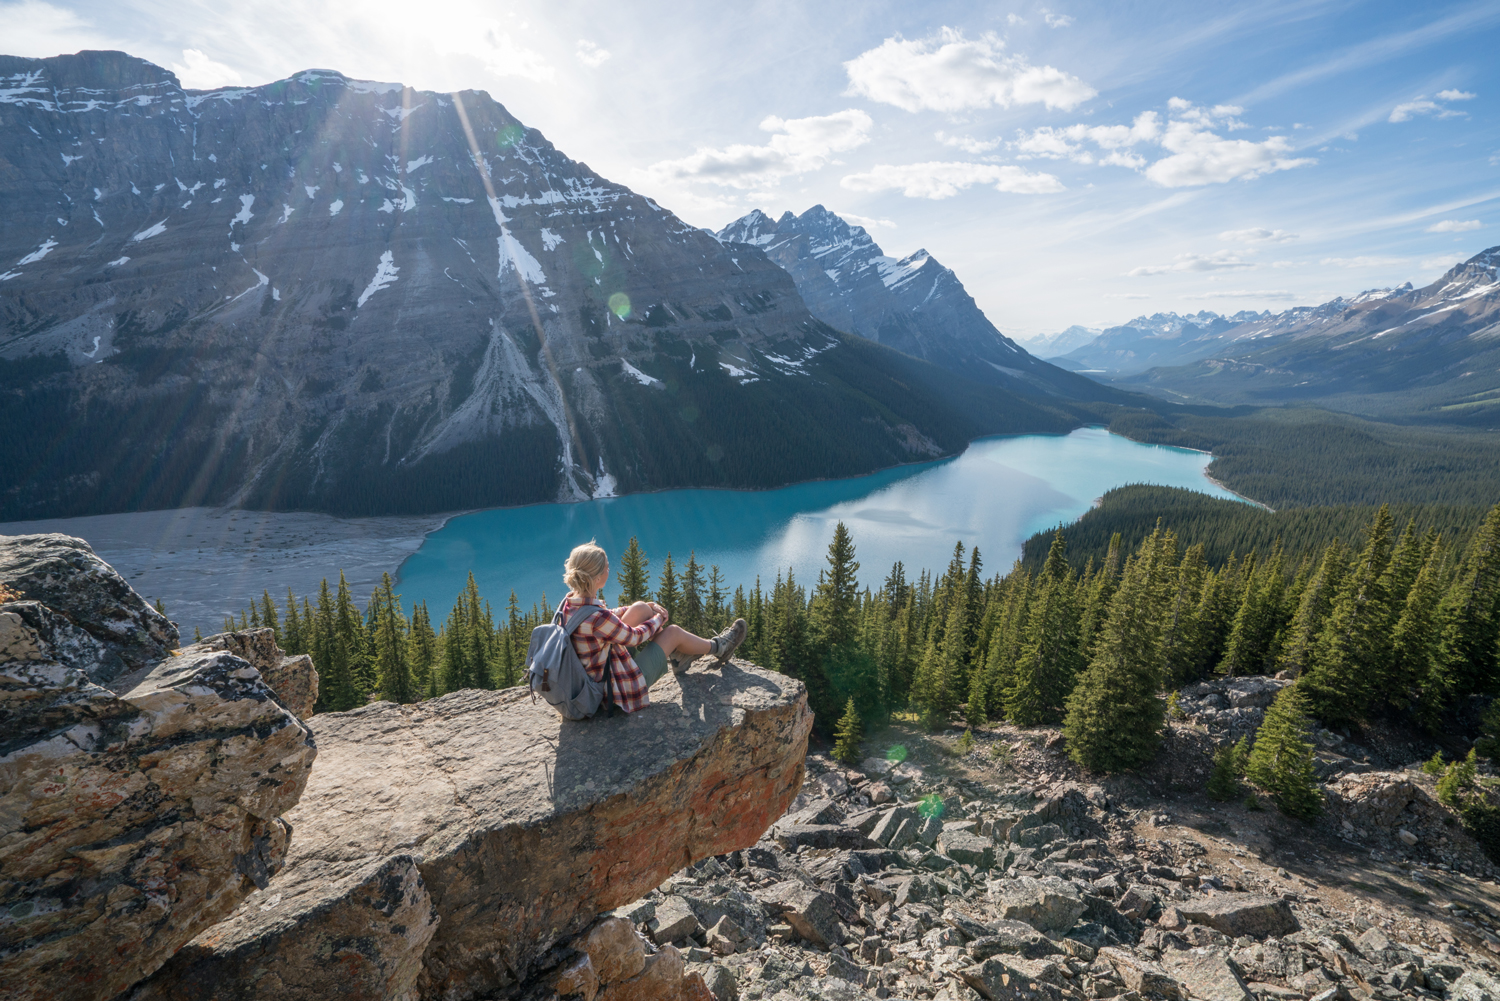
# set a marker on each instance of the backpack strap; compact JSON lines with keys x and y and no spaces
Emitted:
{"x":580,"y":614}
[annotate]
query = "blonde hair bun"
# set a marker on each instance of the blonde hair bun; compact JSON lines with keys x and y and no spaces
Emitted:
{"x":585,"y":563}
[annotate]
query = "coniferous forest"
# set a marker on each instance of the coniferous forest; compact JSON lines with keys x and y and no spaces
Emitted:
{"x":1398,"y":621}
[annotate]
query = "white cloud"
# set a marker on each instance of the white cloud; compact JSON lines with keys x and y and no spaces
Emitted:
{"x":1455,"y":95}
{"x":1439,"y":263}
{"x":800,"y":145}
{"x":1276,"y":293}
{"x":1421,"y":106}
{"x":203,"y":73}
{"x":952,"y":73}
{"x":38,"y":30}
{"x":1056,"y":20}
{"x":1202,"y":157}
{"x":1059,"y":143}
{"x":866,"y":221}
{"x":1126,"y":295}
{"x":1198,"y":155}
{"x":1363,"y":262}
{"x":1014,"y":19}
{"x":967,"y":143}
{"x":1219,"y":260}
{"x":1454,"y":226}
{"x":591,"y":55}
{"x":943,"y":180}
{"x":1257,"y":235}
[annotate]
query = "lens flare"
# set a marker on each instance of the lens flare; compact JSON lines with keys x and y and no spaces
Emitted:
{"x":931,"y":805}
{"x":896,"y":754}
{"x":509,"y":136}
{"x":619,"y":304}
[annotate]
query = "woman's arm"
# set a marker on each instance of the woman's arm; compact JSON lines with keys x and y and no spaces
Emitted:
{"x":611,"y":628}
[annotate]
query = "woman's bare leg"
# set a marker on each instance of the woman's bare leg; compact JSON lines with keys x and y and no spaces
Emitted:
{"x":675,"y":639}
{"x":637,"y":613}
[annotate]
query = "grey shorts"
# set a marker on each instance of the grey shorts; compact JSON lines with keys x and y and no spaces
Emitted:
{"x":652,"y":660}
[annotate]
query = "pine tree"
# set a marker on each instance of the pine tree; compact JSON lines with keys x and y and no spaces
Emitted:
{"x":1458,"y":781}
{"x":668,"y":594}
{"x":1281,"y":763}
{"x":392,"y":668}
{"x":423,"y":652}
{"x":1471,"y":612}
{"x":1353,"y":650}
{"x":268,"y":616}
{"x":714,"y":611}
{"x":476,"y":638}
{"x":292,"y":639}
{"x":691,"y":617}
{"x":1253,"y":636}
{"x":1114,"y":718}
{"x":1313,"y":609}
{"x":1418,"y":678}
{"x":1224,"y":783}
{"x":849,"y":733}
{"x":634,"y":584}
{"x":1096,"y":601}
{"x":1050,"y":659}
{"x":833,"y":610}
{"x":1180,"y":651}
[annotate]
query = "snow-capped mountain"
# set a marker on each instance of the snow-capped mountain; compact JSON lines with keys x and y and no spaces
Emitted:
{"x":1060,"y":343}
{"x":1432,"y":352}
{"x":1148,"y":341}
{"x":913,"y":304}
{"x":338,"y":294}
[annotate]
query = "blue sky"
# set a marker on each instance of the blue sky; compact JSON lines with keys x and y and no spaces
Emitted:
{"x":1073,"y":162}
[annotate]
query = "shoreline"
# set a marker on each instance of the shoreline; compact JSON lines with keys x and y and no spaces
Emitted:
{"x":204,"y":563}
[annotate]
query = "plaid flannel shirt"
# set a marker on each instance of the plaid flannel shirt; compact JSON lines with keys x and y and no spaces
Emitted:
{"x":603,"y":639}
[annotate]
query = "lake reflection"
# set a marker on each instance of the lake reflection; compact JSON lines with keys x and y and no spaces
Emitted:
{"x":994,"y":495}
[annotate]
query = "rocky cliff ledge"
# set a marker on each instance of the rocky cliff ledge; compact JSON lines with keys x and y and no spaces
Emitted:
{"x":446,"y":849}
{"x":141,"y":787}
{"x":167,"y":837}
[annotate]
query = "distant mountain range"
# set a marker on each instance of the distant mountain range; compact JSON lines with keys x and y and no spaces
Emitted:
{"x":1430,"y":354}
{"x":332,"y":294}
{"x":1146,"y":341}
{"x":1059,"y":343}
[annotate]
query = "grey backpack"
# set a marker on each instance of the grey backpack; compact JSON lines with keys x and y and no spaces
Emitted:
{"x":556,"y":674}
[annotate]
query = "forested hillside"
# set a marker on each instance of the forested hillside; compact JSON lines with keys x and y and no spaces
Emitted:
{"x":1399,"y":621}
{"x":1226,"y":527}
{"x":1304,"y":456}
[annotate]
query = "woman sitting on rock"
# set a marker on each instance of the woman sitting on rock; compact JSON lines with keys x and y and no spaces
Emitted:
{"x":604,"y":638}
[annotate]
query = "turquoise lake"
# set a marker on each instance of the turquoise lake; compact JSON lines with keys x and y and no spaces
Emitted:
{"x":994,"y":495}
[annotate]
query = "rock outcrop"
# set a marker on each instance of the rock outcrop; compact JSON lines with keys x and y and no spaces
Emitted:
{"x":294,"y":678}
{"x":132,"y":816}
{"x":63,"y":573}
{"x":450,"y":849}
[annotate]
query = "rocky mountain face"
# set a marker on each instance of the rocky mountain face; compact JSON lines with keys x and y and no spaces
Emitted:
{"x":1159,"y":339}
{"x":914,"y":304}
{"x":352,"y":296}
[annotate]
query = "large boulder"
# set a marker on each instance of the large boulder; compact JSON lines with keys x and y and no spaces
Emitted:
{"x":524,"y":827}
{"x":1047,"y":904}
{"x":63,"y":573}
{"x":1242,"y":914}
{"x":1383,"y":799}
{"x":134,"y":816}
{"x":292,"y":677}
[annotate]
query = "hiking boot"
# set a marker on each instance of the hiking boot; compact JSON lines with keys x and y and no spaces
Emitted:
{"x":727,"y":642}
